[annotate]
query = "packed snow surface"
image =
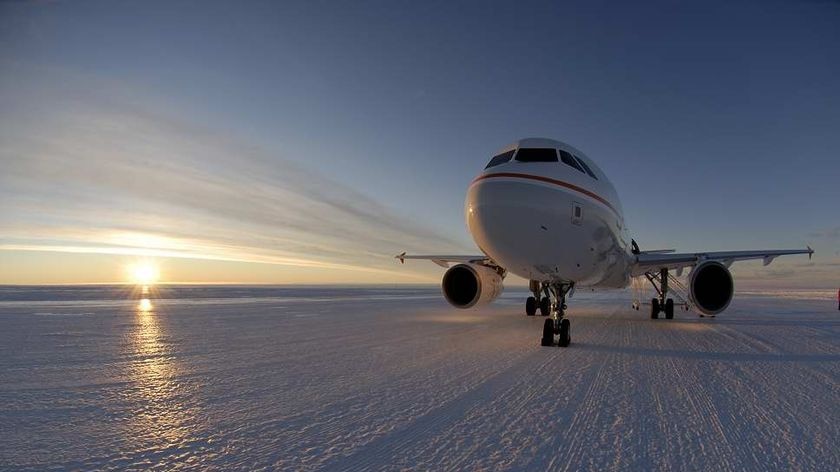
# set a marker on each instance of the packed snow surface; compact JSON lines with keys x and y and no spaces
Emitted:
{"x":268,"y":378}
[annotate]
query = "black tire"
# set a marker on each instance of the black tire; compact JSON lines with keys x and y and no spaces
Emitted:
{"x":545,"y":306}
{"x":531,"y":306}
{"x":669,"y":309}
{"x":654,"y":309}
{"x":565,"y":333}
{"x":548,"y":333}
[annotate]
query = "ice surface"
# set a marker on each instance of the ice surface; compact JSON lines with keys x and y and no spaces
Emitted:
{"x":258,"y":378}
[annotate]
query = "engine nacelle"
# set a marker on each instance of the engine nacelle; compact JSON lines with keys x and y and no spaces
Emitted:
{"x":468,"y":285}
{"x":711,"y":287}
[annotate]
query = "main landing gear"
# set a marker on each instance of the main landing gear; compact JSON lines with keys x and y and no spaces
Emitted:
{"x":531,"y":306}
{"x":543,"y":303}
{"x":662,"y":304}
{"x":557,"y":324}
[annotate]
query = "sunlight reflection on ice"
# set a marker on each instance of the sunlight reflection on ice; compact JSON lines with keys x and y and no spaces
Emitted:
{"x":159,"y":419}
{"x":456,"y":318}
{"x":145,"y":306}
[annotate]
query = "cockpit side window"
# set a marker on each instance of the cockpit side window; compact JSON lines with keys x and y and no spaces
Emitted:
{"x":536,"y":155}
{"x":569,"y":160}
{"x":586,"y":168}
{"x":500,"y":159}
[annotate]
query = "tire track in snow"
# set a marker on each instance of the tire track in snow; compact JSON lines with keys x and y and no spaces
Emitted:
{"x":568,"y":455}
{"x":430,"y":423}
{"x":785,"y":418}
{"x":438,"y":425}
{"x":543,"y":407}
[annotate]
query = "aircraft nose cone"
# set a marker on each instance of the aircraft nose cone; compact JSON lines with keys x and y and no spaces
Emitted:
{"x":530,"y":230}
{"x":518,"y":223}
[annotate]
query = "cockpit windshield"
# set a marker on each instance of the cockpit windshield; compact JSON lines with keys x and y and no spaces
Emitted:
{"x":570,"y":161}
{"x":586,"y":168}
{"x":537,"y":155}
{"x":500,"y":159}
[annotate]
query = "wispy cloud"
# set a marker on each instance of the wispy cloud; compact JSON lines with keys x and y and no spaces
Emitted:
{"x":828,"y":233}
{"x":822,"y":272}
{"x":97,"y":173}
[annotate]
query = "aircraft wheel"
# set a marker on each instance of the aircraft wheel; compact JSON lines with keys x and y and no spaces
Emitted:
{"x":548,"y":333}
{"x":669,"y":309}
{"x":565,"y":332}
{"x":545,"y":306}
{"x":531,"y":306}
{"x":654,"y":309}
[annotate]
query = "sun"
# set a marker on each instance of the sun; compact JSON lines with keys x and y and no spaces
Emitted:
{"x":143,"y":273}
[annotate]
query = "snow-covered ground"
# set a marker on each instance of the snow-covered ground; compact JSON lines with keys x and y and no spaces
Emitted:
{"x":352,"y":379}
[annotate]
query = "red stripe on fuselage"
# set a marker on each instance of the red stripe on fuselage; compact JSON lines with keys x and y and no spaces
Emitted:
{"x":549,"y":180}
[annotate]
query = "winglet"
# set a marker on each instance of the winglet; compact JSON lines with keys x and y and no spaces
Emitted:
{"x":401,"y":257}
{"x":810,"y":252}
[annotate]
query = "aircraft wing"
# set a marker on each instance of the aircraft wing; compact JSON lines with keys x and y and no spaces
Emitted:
{"x":444,"y":261}
{"x":646,"y":262}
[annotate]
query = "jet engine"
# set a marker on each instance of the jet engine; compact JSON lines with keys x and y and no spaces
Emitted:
{"x":468,"y":285}
{"x":711,"y":287}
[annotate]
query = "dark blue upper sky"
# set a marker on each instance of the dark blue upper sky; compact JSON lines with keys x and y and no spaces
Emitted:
{"x":718,"y":122}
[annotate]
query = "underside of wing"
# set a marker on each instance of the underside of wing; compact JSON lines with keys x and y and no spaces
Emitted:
{"x":445,"y":260}
{"x":648,"y":261}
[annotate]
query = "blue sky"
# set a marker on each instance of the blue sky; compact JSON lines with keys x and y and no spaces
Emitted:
{"x":317,"y":138}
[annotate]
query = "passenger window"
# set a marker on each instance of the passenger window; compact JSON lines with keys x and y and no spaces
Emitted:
{"x":536,"y":155}
{"x":569,"y":160}
{"x":586,"y":168}
{"x":500,"y":159}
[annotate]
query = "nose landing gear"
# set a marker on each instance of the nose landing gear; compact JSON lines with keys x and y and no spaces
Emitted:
{"x":557,"y":324}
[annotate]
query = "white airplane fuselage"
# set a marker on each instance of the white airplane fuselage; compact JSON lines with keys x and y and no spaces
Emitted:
{"x":544,"y":211}
{"x":551,"y":221}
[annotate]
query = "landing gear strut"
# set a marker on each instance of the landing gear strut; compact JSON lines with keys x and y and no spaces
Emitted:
{"x":557,"y":324}
{"x":663,"y":303}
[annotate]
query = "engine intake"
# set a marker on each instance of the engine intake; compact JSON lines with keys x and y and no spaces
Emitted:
{"x":468,"y":285}
{"x":711,"y":287}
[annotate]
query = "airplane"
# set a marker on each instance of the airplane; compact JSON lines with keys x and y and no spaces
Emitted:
{"x":543,"y":210}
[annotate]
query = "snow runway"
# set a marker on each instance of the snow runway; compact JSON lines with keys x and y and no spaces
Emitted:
{"x":353,"y":379}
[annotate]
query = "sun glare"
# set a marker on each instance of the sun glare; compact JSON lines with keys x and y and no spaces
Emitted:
{"x":143,"y":273}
